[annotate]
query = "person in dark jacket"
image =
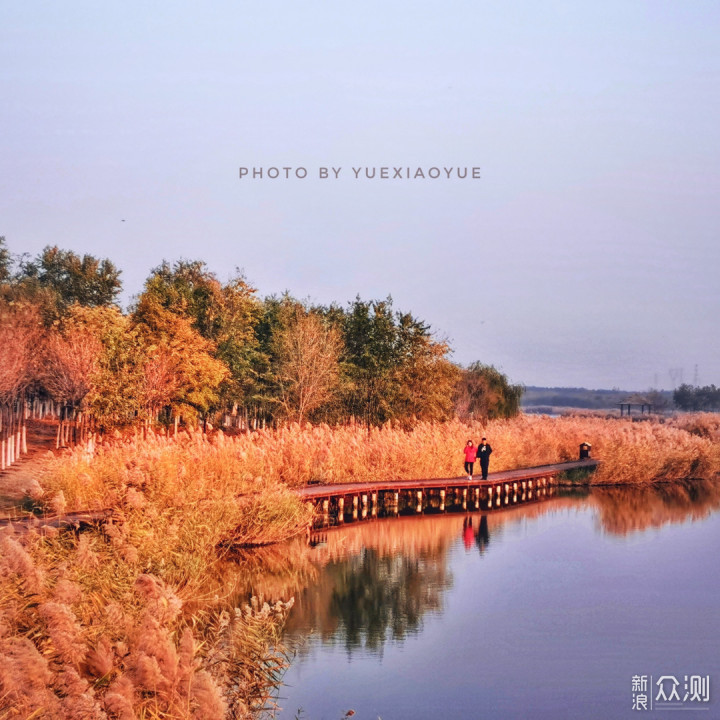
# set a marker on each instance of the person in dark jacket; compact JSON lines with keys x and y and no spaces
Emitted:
{"x":483,"y":455}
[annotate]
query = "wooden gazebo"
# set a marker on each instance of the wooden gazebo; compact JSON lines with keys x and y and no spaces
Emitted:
{"x":638,"y":402}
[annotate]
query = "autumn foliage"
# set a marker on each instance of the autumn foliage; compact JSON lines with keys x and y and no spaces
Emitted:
{"x":194,"y":350}
{"x":141,"y":617}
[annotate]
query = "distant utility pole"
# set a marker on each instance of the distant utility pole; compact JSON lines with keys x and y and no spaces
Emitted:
{"x":676,"y":376}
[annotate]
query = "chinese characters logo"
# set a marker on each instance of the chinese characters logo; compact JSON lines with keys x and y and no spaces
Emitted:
{"x":669,"y":692}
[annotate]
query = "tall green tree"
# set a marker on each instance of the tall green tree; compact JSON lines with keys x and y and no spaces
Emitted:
{"x":5,"y":261}
{"x":371,"y":359}
{"x":86,"y":280}
{"x":394,"y":368}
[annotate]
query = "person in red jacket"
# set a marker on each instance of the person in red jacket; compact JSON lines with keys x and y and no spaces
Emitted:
{"x":470,"y":454}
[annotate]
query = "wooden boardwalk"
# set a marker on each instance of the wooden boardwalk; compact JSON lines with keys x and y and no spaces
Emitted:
{"x":501,"y":488}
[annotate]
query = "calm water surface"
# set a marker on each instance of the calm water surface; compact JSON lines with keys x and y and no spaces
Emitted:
{"x":540,"y":611}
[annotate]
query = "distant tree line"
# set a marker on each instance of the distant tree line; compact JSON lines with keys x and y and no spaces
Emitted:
{"x":689,"y":397}
{"x":193,"y":348}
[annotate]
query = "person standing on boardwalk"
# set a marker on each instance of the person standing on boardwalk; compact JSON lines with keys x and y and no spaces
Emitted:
{"x":470,"y":454}
{"x":483,"y":453}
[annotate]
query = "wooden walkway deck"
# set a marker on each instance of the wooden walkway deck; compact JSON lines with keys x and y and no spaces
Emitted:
{"x":358,"y":500}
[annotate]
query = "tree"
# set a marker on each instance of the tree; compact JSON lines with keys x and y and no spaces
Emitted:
{"x":182,"y":356}
{"x":5,"y":261}
{"x":114,"y":396}
{"x":19,"y":333}
{"x":658,"y":399}
{"x":427,"y":384}
{"x":71,"y":279}
{"x":68,"y":373}
{"x":226,"y":315}
{"x":486,"y":393}
{"x":305,"y":364}
{"x":394,"y":368}
{"x":688,"y":397}
{"x":160,"y":380}
{"x":370,"y":360}
{"x":69,"y":362}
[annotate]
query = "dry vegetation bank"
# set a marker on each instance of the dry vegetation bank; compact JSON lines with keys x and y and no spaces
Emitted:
{"x":137,"y":619}
{"x":132,"y":620}
{"x":226,"y":479}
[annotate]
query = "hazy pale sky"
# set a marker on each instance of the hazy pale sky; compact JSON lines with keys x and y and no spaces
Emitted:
{"x":587,"y":254}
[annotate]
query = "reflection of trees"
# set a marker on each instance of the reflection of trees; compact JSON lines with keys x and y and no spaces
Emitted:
{"x":367,"y":598}
{"x":367,"y":582}
{"x":375,"y":596}
{"x":635,"y":508}
{"x":370,"y":582}
{"x":377,"y":581}
{"x":273,"y":572}
{"x":361,"y":585}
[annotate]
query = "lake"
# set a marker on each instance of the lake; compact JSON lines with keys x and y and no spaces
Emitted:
{"x":583,"y":605}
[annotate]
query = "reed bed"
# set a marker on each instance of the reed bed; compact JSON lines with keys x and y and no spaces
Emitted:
{"x":138,"y":619}
{"x":86,"y":633}
{"x":633,"y":452}
{"x":168,"y":472}
{"x":134,"y":619}
{"x":174,"y":470}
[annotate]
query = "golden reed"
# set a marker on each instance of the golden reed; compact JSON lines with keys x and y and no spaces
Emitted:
{"x":137,"y":619}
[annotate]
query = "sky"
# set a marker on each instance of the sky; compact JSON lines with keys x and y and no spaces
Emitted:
{"x":585,"y":254}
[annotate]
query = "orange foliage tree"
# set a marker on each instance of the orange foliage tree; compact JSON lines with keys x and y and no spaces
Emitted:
{"x":19,"y":331}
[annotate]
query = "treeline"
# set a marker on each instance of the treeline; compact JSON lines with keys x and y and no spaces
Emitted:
{"x":195,"y":349}
{"x":689,"y":397}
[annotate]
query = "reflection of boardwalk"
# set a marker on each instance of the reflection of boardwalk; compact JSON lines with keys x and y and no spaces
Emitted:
{"x":360,"y":500}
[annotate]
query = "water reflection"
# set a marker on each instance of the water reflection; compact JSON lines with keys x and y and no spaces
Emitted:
{"x":372,"y":598}
{"x":378,"y":580}
{"x":366,"y":583}
{"x":358,"y":586}
{"x":623,"y":510}
{"x":468,"y":614}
